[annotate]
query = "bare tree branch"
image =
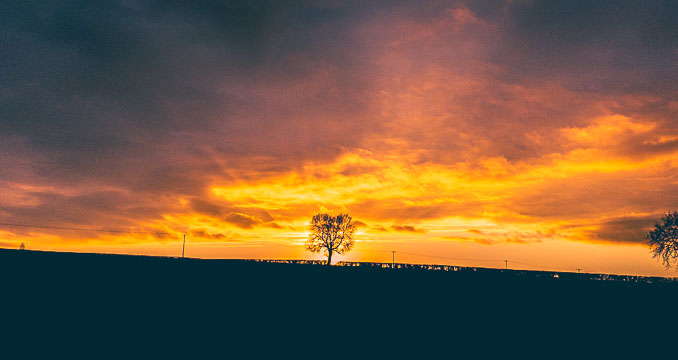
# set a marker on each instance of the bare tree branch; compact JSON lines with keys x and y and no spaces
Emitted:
{"x":331,"y":233}
{"x":663,"y":239}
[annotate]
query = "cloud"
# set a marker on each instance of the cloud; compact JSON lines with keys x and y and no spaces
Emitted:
{"x":203,"y":234}
{"x":379,"y":228}
{"x":242,"y":220}
{"x":482,"y":241}
{"x":623,"y":230}
{"x":241,"y":121}
{"x":208,"y":208}
{"x":612,"y":46}
{"x":108,"y":210}
{"x":397,"y":229}
{"x":359,"y":223}
{"x":407,"y":228}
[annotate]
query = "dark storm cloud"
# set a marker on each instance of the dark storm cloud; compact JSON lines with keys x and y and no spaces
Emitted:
{"x":602,"y":46}
{"x":96,"y":85}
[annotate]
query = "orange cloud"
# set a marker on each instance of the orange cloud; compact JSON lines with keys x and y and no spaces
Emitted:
{"x":442,"y":128}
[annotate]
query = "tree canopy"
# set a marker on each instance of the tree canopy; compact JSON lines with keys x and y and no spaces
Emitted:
{"x":663,"y":239}
{"x":331,"y":234}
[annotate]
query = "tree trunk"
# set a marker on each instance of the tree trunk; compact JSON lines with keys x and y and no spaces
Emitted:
{"x":329,"y":258}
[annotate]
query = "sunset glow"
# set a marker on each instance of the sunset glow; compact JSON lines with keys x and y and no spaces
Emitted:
{"x":454,"y":132}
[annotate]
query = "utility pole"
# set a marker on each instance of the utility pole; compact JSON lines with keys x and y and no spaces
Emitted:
{"x":183,"y":247}
{"x":393,"y":260}
{"x":506,"y":264}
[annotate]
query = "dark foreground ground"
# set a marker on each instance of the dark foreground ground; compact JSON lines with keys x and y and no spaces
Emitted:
{"x":115,"y":301}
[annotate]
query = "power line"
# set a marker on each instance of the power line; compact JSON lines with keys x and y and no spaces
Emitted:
{"x":448,"y":258}
{"x":544,"y":267}
{"x":538,"y":266}
{"x":521,"y":263}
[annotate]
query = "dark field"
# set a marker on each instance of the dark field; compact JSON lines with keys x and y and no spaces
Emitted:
{"x":127,"y":299}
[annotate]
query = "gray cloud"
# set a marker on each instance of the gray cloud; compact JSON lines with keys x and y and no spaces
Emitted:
{"x":624,"y":229}
{"x":601,"y":46}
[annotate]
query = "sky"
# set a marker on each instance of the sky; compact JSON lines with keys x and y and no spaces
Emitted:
{"x":543,"y":132}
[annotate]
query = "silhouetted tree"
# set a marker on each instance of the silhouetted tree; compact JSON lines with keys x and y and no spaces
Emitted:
{"x":663,"y":238}
{"x":331,"y":233}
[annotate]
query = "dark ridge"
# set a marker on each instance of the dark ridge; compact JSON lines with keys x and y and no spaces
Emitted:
{"x":90,"y":296}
